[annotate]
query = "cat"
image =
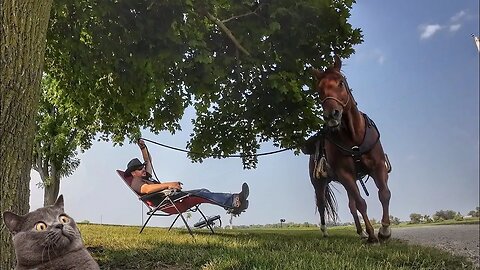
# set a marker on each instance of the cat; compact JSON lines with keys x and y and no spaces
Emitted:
{"x":47,"y":238}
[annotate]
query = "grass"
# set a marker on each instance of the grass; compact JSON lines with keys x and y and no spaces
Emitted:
{"x":122,"y":247}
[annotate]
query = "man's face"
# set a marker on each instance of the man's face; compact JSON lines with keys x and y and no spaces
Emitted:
{"x":139,"y":172}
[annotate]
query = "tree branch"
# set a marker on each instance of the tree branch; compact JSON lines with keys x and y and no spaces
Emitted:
{"x":242,"y":15}
{"x":227,"y":31}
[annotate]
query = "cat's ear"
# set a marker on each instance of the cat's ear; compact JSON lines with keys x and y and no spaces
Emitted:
{"x":12,"y":221}
{"x":59,"y":202}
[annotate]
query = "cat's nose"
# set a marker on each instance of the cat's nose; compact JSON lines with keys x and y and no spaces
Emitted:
{"x":59,"y":226}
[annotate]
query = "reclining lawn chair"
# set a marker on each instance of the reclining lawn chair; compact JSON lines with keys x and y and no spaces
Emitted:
{"x":171,"y":202}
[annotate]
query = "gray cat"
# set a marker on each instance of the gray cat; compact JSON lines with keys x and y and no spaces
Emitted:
{"x":47,"y":238}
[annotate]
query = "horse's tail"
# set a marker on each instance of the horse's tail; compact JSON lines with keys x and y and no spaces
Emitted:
{"x":331,"y":204}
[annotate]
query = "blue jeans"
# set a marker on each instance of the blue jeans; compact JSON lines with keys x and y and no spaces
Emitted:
{"x":224,"y":200}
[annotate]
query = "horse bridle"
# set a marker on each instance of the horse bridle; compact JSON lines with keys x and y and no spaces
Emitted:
{"x":343,"y":104}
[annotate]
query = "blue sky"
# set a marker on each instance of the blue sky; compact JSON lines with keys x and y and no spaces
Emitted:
{"x":416,"y":75}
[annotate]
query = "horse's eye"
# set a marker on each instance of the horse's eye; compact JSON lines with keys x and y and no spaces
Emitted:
{"x":40,"y":226}
{"x":64,"y":219}
{"x":340,"y":83}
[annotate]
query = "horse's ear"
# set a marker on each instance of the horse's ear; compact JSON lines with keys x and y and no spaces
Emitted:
{"x":316,"y":73}
{"x":337,"y":63}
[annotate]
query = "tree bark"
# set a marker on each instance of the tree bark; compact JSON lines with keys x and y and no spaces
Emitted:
{"x":51,"y":190}
{"x":23,"y":28}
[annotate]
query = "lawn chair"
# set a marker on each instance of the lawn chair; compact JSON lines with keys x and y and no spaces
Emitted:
{"x":170,"y":202}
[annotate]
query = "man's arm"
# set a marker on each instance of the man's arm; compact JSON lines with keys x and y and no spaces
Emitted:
{"x":149,"y":188}
{"x":146,"y":156}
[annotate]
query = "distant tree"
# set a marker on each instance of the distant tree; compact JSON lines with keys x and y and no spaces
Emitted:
{"x":437,"y":218}
{"x":61,"y":130}
{"x":415,"y":218}
{"x":427,"y":219}
{"x":475,"y":213}
{"x":394,"y":220}
{"x":458,"y":216}
{"x":446,"y":214}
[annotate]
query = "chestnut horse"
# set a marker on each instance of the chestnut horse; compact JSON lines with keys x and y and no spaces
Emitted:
{"x":352,"y":149}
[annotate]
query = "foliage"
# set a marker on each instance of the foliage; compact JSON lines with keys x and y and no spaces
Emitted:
{"x":475,"y":213}
{"x":394,"y":220}
{"x":415,"y":218}
{"x":61,"y":129}
{"x":445,"y":214}
{"x":243,"y":66}
{"x":119,"y":247}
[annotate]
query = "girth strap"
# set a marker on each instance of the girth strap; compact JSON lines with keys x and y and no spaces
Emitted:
{"x":370,"y":139}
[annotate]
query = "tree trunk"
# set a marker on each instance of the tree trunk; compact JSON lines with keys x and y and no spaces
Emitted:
{"x":23,"y":29}
{"x":51,"y":190}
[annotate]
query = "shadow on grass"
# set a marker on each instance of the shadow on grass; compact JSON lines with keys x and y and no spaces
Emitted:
{"x":263,"y":249}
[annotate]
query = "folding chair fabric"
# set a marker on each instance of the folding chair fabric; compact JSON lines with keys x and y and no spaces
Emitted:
{"x":169,"y":202}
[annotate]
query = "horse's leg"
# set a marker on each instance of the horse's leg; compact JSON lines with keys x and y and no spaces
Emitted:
{"x":381,"y":179}
{"x":319,"y":186}
{"x":320,"y":196}
{"x":353,"y":210}
{"x":353,"y":191}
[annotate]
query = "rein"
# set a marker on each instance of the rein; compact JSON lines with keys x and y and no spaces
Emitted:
{"x":222,"y":156}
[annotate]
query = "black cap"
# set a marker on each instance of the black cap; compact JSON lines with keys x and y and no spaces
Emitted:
{"x":133,"y":165}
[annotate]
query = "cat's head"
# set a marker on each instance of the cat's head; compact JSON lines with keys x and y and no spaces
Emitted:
{"x":43,"y":234}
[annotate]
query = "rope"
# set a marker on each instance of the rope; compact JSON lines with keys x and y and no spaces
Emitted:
{"x":225,"y":156}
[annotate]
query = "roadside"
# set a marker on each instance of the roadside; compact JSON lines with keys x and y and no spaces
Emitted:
{"x":460,"y":240}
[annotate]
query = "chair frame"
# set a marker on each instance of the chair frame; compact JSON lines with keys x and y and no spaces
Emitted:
{"x":168,"y":205}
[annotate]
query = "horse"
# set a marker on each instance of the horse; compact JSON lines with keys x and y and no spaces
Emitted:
{"x":348,"y":149}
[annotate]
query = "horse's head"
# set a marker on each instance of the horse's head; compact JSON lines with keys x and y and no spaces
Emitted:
{"x":334,"y":94}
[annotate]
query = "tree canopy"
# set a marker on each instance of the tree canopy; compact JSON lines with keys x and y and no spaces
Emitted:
{"x":243,"y":65}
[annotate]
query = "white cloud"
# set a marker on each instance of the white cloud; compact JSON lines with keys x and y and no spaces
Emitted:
{"x":429,"y":30}
{"x":454,"y":27}
{"x":458,"y":16}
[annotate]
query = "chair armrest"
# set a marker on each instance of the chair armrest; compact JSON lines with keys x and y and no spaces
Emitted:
{"x":162,"y":193}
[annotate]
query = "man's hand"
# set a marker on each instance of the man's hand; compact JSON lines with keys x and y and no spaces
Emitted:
{"x":174,"y":185}
{"x":141,"y":144}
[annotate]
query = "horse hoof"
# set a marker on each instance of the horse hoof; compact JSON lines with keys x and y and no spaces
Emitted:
{"x":372,"y":240}
{"x":323,"y":228}
{"x":363,"y":235}
{"x":384,"y":233}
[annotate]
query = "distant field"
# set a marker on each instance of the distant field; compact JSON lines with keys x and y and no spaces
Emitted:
{"x":119,"y":247}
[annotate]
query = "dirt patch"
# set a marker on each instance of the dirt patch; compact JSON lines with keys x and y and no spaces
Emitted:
{"x":460,"y":240}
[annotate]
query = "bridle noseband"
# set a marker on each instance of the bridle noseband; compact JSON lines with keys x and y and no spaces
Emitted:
{"x":337,"y":100}
{"x":343,"y":104}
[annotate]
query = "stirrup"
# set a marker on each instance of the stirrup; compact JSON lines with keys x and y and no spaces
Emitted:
{"x":321,"y":171}
{"x":388,"y":164}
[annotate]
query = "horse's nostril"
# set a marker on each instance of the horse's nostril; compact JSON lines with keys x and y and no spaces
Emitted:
{"x":335,"y":113}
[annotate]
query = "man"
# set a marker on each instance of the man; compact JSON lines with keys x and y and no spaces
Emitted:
{"x":143,"y":184}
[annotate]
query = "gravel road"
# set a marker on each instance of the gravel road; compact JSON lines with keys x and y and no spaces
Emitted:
{"x":458,"y":239}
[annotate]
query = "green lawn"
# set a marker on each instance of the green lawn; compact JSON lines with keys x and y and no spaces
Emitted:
{"x":119,"y":247}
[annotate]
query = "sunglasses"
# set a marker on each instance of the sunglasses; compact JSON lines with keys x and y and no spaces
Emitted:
{"x":139,"y":168}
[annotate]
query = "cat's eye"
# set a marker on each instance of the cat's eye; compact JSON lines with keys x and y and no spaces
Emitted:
{"x":64,"y":219}
{"x":40,"y":226}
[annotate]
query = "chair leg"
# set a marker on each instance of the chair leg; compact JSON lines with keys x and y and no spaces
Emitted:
{"x":175,"y":220}
{"x":184,"y":220}
{"x":148,"y":219}
{"x":151,"y":215}
{"x":206,"y":220}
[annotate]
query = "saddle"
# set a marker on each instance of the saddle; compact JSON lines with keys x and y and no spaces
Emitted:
{"x":322,"y":168}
